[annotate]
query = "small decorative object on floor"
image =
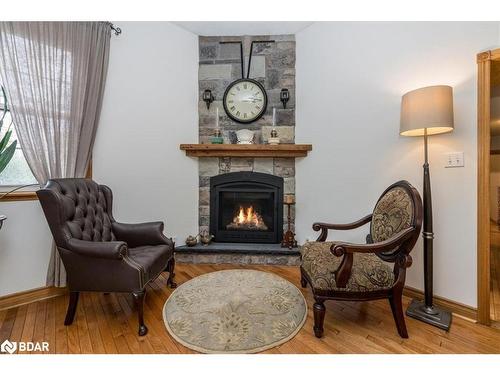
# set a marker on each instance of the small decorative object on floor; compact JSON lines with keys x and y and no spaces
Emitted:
{"x":191,"y":240}
{"x":206,"y":238}
{"x":289,"y":237}
{"x":217,"y":138}
{"x":245,"y":137}
{"x":235,"y":311}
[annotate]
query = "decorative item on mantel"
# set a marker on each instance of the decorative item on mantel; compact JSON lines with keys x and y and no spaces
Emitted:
{"x":217,"y":138}
{"x":274,"y":139}
{"x":289,"y":237}
{"x":245,"y":137}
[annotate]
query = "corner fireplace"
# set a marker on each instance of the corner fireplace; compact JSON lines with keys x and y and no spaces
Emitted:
{"x":246,"y":207}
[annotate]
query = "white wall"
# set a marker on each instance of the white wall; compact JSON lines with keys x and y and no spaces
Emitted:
{"x":350,"y":79}
{"x":150,"y":107}
{"x":25,"y":243}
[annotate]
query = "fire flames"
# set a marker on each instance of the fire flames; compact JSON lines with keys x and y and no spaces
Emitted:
{"x":247,"y":218}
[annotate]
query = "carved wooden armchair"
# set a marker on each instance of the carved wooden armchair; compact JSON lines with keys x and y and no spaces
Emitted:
{"x":359,"y":272}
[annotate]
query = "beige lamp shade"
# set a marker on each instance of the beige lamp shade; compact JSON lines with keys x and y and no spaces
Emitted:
{"x":428,"y":108}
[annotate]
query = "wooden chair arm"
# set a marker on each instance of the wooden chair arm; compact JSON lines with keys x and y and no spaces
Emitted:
{"x":343,"y":273}
{"x":341,"y":248}
{"x":324,"y":227}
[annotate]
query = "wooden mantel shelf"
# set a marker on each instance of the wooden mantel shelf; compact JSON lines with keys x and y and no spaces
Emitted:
{"x":253,"y":151}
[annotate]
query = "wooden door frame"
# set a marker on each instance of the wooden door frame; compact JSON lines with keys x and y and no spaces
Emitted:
{"x":484,"y":60}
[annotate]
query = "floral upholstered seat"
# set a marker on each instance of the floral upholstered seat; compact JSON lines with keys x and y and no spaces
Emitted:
{"x":368,"y":273}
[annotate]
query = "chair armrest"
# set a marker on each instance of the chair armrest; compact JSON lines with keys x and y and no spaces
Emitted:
{"x":341,"y":248}
{"x":324,"y":227}
{"x":345,"y":249}
{"x":141,"y":234}
{"x":108,"y":250}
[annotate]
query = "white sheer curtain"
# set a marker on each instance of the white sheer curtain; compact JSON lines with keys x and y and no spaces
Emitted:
{"x":54,"y":74}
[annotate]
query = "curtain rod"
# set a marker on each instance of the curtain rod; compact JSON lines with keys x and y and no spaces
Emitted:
{"x":116,"y":29}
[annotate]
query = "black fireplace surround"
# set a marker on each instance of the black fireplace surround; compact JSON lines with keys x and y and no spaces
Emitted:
{"x":246,"y":207}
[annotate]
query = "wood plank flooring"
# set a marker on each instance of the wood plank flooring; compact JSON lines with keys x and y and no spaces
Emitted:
{"x":108,"y":324}
{"x":495,"y":272}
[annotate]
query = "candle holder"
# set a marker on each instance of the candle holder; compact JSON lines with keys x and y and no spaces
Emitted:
{"x":273,"y":139}
{"x":289,"y":237}
{"x":217,"y":139}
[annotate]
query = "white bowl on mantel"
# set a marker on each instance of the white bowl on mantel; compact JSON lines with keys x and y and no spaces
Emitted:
{"x":245,"y":137}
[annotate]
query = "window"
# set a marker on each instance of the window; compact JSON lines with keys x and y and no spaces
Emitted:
{"x":17,"y":172}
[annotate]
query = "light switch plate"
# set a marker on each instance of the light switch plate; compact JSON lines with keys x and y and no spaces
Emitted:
{"x":454,"y":159}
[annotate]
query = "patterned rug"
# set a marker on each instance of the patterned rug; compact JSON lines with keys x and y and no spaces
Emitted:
{"x":235,"y":311}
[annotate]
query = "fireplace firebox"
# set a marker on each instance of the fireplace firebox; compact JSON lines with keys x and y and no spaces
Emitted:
{"x":246,"y":207}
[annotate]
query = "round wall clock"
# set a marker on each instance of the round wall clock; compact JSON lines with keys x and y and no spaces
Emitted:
{"x":245,"y":100}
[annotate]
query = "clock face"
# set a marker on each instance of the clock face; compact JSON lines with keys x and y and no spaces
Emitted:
{"x":245,"y":100}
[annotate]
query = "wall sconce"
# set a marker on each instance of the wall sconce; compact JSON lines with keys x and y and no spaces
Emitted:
{"x":208,"y":97}
{"x":284,"y":97}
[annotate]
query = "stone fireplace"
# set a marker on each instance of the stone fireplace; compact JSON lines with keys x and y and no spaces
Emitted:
{"x":246,"y":207}
{"x":241,"y":195}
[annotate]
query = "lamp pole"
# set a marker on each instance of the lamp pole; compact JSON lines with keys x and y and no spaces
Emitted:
{"x":428,"y":234}
{"x":426,"y":311}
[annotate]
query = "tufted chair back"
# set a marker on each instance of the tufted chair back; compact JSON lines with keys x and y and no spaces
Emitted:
{"x":77,"y":208}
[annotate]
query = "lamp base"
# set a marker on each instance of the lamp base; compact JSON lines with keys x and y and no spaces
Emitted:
{"x":431,"y":315}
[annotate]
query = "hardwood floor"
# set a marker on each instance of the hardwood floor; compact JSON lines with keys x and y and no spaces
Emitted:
{"x":495,"y":272}
{"x":108,"y":324}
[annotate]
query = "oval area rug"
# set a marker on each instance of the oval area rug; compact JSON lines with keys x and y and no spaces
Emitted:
{"x":235,"y":311}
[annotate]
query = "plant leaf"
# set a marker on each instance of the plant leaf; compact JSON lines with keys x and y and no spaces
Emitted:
{"x":5,"y":140}
{"x":7,"y":155}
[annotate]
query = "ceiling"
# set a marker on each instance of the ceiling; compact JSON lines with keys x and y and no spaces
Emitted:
{"x":229,"y":28}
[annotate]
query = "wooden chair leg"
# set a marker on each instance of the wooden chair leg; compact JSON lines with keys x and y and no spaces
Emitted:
{"x":303,"y":280}
{"x":171,"y":274}
{"x":396,"y":301}
{"x":319,"y":317}
{"x":139,"y":303}
{"x":73,"y":303}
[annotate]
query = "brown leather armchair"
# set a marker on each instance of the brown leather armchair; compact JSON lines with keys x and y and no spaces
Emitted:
{"x":375,"y":270}
{"x":100,"y":254}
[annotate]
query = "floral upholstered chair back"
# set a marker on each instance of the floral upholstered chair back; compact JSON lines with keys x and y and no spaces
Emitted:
{"x":395,"y":211}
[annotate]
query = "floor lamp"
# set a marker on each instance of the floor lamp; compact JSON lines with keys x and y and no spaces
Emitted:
{"x":424,"y":112}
